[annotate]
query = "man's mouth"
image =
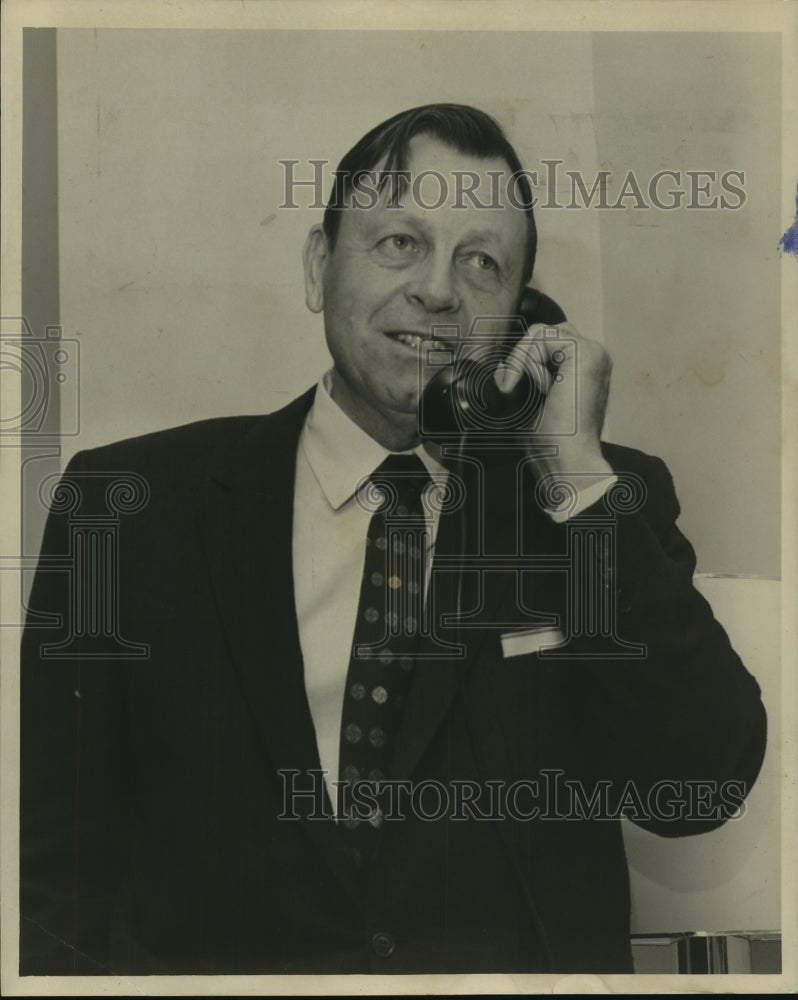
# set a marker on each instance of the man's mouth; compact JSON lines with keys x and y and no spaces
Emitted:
{"x":414,"y":340}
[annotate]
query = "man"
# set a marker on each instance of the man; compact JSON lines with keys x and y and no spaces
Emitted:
{"x":223,"y":773}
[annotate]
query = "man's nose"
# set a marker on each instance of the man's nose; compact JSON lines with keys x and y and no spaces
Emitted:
{"x":435,"y":287}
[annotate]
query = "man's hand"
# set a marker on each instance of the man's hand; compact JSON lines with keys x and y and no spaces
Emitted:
{"x":573,"y":373}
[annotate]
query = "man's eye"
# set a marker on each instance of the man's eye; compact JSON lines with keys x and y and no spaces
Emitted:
{"x":398,"y":243}
{"x":486,"y":263}
{"x":482,"y":262}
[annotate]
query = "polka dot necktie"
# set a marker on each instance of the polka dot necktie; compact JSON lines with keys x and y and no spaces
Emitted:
{"x":386,"y":633}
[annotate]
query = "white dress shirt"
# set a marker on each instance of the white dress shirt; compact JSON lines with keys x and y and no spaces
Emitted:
{"x":335,"y":457}
{"x":329,"y":545}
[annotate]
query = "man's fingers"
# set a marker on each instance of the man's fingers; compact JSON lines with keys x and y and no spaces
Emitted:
{"x":551,"y":355}
{"x":537,"y":353}
{"x":568,"y":348}
{"x":525,"y":357}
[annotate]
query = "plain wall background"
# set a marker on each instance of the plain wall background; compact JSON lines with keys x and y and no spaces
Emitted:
{"x":182,"y":279}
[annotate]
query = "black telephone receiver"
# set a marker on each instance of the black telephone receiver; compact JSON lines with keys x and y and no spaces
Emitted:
{"x":463,"y":396}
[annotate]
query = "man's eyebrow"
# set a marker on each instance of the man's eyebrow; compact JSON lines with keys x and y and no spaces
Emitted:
{"x":493,"y":241}
{"x":481,"y":236}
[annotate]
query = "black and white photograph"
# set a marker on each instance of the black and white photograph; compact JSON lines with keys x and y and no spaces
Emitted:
{"x":398,"y":558}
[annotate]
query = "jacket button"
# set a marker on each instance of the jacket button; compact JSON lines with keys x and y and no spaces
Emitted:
{"x":383,"y":945}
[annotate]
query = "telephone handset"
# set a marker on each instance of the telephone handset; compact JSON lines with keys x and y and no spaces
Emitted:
{"x":462,"y":396}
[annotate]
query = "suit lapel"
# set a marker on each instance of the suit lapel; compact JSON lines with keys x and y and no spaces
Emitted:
{"x":248,"y":537}
{"x":447,"y":658}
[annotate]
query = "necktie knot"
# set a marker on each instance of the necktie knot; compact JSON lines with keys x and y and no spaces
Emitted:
{"x":401,"y":480}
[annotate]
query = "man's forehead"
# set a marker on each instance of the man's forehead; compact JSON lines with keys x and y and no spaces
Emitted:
{"x":440,"y":180}
{"x":429,"y":152}
{"x":437,"y":172}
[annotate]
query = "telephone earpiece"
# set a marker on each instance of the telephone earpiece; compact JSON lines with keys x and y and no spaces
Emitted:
{"x":535,"y":307}
{"x":463,"y":396}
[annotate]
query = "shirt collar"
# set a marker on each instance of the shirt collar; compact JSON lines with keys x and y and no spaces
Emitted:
{"x":341,"y":454}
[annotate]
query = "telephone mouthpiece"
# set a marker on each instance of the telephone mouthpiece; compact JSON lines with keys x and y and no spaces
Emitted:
{"x":464,"y":398}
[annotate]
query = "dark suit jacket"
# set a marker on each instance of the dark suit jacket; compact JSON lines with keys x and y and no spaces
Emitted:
{"x":152,"y":794}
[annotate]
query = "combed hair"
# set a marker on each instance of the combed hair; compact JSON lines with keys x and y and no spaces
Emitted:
{"x":465,"y":129}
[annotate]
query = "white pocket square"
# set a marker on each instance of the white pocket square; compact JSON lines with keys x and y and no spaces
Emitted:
{"x":529,"y":641}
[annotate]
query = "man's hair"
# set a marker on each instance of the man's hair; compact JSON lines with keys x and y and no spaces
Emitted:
{"x":465,"y":129}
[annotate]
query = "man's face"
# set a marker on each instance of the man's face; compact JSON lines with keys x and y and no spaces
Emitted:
{"x":398,"y":272}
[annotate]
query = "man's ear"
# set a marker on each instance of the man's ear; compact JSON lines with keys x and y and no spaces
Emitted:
{"x":315,"y":254}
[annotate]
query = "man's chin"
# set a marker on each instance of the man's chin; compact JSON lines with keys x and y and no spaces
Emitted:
{"x":402,"y":400}
{"x":401,"y":416}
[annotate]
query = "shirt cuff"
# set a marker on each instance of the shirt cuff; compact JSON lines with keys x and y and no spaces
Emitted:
{"x":585,"y":498}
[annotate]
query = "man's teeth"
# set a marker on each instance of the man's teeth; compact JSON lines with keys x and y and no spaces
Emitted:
{"x":411,"y":339}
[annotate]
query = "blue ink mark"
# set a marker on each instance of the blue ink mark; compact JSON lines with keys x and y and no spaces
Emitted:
{"x":789,"y":241}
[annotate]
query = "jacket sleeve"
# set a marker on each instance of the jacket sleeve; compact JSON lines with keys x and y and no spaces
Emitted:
{"x":71,"y":767}
{"x":684,"y":717}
